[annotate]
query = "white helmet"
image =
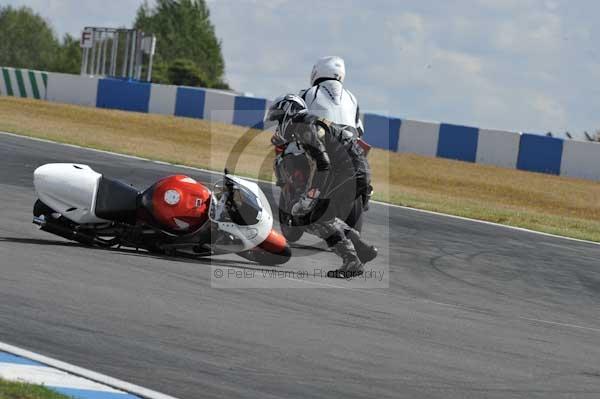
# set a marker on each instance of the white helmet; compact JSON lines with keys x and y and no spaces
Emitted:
{"x":328,"y":68}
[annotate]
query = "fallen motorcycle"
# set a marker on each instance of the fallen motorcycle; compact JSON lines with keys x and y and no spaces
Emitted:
{"x":176,"y":215}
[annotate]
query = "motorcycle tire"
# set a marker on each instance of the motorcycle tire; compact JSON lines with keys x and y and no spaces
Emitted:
{"x":291,"y":233}
{"x":355,"y":218}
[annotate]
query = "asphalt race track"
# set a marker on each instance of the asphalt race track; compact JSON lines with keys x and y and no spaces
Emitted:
{"x":472,"y":310}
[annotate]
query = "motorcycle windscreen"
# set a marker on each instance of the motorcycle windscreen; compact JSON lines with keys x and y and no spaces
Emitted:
{"x":236,"y":204}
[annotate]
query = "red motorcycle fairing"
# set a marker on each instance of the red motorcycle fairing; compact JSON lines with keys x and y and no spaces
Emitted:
{"x":275,"y":243}
{"x":179,"y":203}
{"x":274,"y":250}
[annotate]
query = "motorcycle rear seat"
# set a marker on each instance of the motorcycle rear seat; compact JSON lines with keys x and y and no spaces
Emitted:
{"x":116,"y":201}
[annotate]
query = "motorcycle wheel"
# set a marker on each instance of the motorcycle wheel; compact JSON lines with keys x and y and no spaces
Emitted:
{"x":355,"y":218}
{"x":153,"y":248}
{"x":291,"y":233}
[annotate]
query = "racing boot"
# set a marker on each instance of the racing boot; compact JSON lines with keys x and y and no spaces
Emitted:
{"x":351,"y":266}
{"x":365,"y":252}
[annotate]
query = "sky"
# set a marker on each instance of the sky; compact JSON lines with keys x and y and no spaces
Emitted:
{"x":521,"y":65}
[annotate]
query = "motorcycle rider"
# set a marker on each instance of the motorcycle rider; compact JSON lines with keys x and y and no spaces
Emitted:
{"x":327,"y":98}
{"x":338,"y":176}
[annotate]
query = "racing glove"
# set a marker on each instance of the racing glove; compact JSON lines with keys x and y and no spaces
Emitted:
{"x":306,"y":203}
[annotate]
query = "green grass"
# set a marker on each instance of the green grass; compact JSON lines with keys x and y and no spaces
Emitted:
{"x":547,"y":203}
{"x":19,"y":390}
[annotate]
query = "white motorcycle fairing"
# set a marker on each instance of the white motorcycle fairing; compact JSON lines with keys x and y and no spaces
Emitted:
{"x":69,"y":189}
{"x":252,"y":235}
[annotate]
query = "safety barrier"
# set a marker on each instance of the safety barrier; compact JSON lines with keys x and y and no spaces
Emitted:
{"x":524,"y":151}
{"x":72,"y":89}
{"x":24,"y":83}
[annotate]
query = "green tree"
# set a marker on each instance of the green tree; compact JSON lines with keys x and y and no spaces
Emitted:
{"x":184,"y":72}
{"x":26,"y":39}
{"x":68,"y":57}
{"x":184,"y":32}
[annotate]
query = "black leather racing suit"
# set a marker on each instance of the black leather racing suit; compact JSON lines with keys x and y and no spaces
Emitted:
{"x":339,"y":171}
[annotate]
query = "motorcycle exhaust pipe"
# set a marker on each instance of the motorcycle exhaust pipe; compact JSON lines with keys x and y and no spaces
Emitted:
{"x":63,"y":231}
{"x":70,"y":234}
{"x":39,"y":220}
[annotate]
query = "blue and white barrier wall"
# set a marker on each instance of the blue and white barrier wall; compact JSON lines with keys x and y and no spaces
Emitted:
{"x":191,"y":102}
{"x":524,"y":151}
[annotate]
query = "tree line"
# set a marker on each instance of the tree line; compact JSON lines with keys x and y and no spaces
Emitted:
{"x":187,"y":50}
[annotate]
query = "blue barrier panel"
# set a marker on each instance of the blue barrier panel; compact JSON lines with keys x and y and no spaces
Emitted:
{"x":124,"y":95}
{"x":458,"y":142}
{"x":249,"y":111}
{"x":190,"y":102}
{"x":381,"y":131}
{"x":540,"y":153}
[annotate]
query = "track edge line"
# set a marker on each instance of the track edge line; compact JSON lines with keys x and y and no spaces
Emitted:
{"x":84,"y":373}
{"x":466,"y":219}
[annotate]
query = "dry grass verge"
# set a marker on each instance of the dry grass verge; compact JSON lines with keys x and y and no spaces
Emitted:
{"x":552,"y":204}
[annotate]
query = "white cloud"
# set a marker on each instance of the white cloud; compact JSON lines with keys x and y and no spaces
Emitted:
{"x":530,"y":34}
{"x":516,"y":64}
{"x":71,"y":16}
{"x":462,"y":64}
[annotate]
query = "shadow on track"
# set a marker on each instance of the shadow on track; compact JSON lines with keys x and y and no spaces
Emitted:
{"x":36,"y":241}
{"x":141,"y":253}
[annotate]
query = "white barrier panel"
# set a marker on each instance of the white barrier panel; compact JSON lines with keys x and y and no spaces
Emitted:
{"x":267,"y":106}
{"x":580,"y":159}
{"x":162,"y":99}
{"x":497,"y":147}
{"x":419,"y":137}
{"x":72,"y":89}
{"x":24,"y":83}
{"x":218,"y":106}
{"x":269,"y":125}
